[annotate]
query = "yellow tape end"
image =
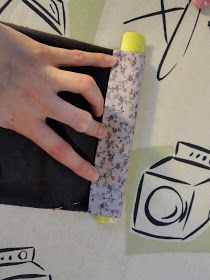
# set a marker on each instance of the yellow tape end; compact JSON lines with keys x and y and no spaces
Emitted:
{"x":133,"y":42}
{"x":102,"y":219}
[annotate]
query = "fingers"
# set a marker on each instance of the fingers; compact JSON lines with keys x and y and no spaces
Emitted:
{"x":61,"y":151}
{"x":200,"y":4}
{"x":62,"y":57}
{"x":74,"y":117}
{"x":78,"y":83}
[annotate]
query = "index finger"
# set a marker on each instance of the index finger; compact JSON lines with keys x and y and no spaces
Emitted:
{"x":78,"y":83}
{"x":65,"y":57}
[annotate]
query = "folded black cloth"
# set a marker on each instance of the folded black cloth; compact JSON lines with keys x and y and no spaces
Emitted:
{"x":28,"y":176}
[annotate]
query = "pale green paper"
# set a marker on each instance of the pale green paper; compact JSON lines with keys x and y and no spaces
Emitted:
{"x":84,"y":18}
{"x":142,"y":159}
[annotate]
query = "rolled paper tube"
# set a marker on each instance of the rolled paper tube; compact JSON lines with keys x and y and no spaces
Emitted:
{"x":120,"y":112}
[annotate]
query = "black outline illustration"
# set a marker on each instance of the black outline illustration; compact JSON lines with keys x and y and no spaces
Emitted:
{"x":14,"y":258}
{"x":170,"y":42}
{"x":54,"y":16}
{"x":190,"y":157}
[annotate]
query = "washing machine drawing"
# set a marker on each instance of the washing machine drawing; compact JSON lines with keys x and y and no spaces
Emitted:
{"x":173,"y":197}
{"x":18,"y":263}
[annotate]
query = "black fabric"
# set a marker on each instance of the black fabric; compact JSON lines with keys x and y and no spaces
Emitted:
{"x":28,"y":176}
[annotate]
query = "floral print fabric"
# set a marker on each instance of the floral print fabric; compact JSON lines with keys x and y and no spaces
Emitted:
{"x":120,"y":112}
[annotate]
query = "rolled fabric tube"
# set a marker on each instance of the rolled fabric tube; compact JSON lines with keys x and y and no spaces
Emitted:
{"x":120,"y":113}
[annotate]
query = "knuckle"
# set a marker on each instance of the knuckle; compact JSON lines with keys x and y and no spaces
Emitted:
{"x":101,"y":59}
{"x":88,"y":83}
{"x":82,"y":167}
{"x":78,"y":56}
{"x":84,"y":121}
{"x":98,"y":129}
{"x":60,"y":151}
{"x":42,"y":52}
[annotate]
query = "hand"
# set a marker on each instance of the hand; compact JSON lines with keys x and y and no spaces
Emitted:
{"x":29,"y":83}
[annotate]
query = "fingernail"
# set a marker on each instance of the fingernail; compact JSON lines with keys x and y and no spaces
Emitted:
{"x":93,"y":175}
{"x":99,"y":114}
{"x":110,"y":60}
{"x":110,"y":131}
{"x":103,"y":131}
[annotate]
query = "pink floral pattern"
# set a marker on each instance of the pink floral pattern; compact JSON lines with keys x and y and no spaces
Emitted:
{"x":121,"y":106}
